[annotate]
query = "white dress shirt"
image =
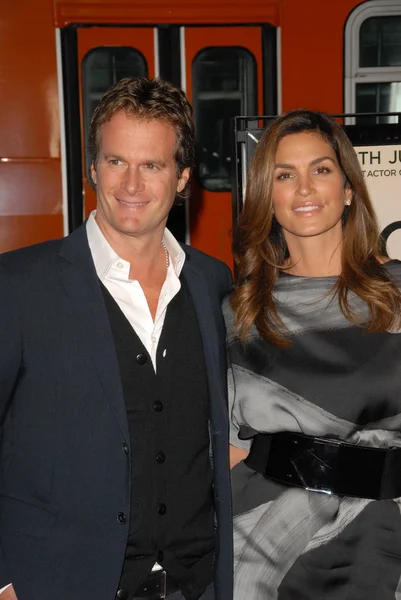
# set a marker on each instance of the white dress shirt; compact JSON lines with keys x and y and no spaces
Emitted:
{"x":113,"y":272}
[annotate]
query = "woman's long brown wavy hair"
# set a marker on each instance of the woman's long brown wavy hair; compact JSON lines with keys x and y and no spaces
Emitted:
{"x":260,"y":250}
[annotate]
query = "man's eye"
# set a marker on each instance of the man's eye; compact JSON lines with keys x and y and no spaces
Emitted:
{"x":151,"y":167}
{"x":114,"y":162}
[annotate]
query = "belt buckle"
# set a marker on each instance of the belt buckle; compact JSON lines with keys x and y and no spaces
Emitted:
{"x":304,"y":461}
{"x":154,"y":588}
{"x":316,"y":465}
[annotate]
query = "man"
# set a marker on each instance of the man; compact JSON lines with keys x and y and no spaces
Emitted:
{"x":114,"y":477}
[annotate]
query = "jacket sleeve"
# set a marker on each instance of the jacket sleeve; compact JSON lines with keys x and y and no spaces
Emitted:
{"x":10,"y":365}
{"x":225,"y":280}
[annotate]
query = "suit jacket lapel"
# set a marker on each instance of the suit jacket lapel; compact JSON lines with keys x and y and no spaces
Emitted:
{"x":208,"y":324}
{"x":82,"y":287}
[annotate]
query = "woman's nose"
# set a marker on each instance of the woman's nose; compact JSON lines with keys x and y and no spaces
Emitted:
{"x":305,"y":185}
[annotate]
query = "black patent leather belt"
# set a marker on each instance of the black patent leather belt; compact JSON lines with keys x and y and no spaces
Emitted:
{"x":328,"y":466}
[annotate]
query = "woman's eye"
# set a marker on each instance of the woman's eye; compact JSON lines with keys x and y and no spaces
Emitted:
{"x":322,"y":170}
{"x":282,"y":176}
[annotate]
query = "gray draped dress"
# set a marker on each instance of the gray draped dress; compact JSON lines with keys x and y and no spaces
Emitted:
{"x":337,"y":381}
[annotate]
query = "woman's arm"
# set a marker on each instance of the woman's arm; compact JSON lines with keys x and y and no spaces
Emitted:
{"x":236,"y":455}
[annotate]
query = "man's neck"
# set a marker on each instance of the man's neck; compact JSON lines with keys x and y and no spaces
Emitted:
{"x":142,"y":250}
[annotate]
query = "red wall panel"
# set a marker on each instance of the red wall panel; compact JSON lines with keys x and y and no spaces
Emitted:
{"x":29,"y":125}
{"x":312,"y":53}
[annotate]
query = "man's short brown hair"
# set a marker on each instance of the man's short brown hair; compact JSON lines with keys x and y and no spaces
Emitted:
{"x":149,"y":99}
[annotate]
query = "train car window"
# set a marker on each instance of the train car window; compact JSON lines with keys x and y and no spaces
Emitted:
{"x":224,"y":86}
{"x":373,"y":60}
{"x":380,"y":42}
{"x":378,"y":97}
{"x":102,"y":67}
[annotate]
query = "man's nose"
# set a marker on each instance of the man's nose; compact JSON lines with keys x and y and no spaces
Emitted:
{"x":132,"y":181}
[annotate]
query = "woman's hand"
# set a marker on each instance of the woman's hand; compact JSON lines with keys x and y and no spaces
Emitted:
{"x":236,"y":455}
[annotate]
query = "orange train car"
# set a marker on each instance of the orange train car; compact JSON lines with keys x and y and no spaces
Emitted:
{"x":232,"y":57}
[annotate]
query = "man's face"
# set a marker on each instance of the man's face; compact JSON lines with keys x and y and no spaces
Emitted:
{"x":135,"y":176}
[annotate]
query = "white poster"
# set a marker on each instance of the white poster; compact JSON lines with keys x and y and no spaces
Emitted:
{"x":381,"y":167}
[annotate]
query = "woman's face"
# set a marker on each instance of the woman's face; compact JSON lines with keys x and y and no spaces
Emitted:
{"x":309,"y":192}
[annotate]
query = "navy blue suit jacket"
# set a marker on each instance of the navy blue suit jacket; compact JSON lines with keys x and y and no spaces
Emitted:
{"x":64,"y":475}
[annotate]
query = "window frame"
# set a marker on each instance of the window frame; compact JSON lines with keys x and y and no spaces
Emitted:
{"x":203,"y":184}
{"x":86,"y":113}
{"x":353,"y":73}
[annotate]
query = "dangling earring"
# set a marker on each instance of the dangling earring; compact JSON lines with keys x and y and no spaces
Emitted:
{"x":348,"y":202}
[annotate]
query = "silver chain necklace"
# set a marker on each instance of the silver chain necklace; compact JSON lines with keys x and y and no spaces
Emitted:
{"x":166,"y":255}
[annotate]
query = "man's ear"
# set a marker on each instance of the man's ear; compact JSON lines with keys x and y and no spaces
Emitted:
{"x":93,"y":174}
{"x":183,"y":180}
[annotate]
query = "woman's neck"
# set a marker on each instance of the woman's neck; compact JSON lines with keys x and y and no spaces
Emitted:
{"x":314,"y":257}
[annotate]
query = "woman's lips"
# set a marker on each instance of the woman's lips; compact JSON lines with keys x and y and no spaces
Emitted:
{"x":307,"y":208}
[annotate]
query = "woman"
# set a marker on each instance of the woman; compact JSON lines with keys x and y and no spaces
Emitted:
{"x":313,"y":332}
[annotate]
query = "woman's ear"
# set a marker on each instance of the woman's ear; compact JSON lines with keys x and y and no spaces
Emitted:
{"x":348,"y":196}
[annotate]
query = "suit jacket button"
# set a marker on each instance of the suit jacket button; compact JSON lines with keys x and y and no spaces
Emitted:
{"x":125,"y":448}
{"x":122,"y":594}
{"x":121,"y":518}
{"x":157,"y":406}
{"x":141,"y":359}
{"x":161,"y":509}
{"x":160,"y":457}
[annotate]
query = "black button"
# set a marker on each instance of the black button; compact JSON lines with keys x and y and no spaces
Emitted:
{"x":158,"y":406}
{"x":122,"y":594}
{"x":121,"y":518}
{"x":160,"y":556}
{"x":141,"y":359}
{"x":161,"y":509}
{"x":161,"y":457}
{"x":125,"y":448}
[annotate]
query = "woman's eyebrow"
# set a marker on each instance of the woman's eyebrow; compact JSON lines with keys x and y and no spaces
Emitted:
{"x":315,"y":161}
